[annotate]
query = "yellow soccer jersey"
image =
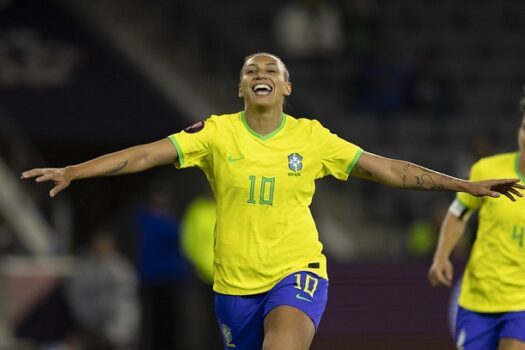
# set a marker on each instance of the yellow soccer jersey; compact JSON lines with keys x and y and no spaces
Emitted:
{"x":494,"y":279}
{"x":263,"y":186}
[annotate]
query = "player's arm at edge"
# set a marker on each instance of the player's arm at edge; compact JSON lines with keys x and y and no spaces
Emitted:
{"x":441,"y":272}
{"x":130,"y":160}
{"x":403,"y":174}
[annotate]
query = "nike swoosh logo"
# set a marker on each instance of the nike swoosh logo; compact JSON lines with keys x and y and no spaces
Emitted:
{"x":300,"y":297}
{"x":234,"y":159}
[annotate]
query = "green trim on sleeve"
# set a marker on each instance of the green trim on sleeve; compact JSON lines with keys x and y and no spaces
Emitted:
{"x":354,"y":161}
{"x":177,"y":147}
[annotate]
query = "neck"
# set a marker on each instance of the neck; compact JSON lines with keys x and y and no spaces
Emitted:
{"x":263,"y":121}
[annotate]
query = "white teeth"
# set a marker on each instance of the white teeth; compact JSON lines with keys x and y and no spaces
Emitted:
{"x":262,"y":86}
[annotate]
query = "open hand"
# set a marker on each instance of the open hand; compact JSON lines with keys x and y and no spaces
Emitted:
{"x":495,"y":188}
{"x":59,"y":176}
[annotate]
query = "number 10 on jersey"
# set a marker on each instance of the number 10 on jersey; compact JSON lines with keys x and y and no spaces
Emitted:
{"x":265,"y":189}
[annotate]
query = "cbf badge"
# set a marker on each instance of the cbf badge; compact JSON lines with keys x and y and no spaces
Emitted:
{"x":295,"y":162}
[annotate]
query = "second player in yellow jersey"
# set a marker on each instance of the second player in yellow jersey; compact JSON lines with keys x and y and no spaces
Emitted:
{"x":494,"y":280}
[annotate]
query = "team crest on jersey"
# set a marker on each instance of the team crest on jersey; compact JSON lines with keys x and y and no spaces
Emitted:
{"x":198,"y":126}
{"x":295,"y":162}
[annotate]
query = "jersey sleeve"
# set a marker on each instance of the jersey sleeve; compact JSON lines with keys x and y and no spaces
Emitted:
{"x":194,"y":144}
{"x":468,"y":200}
{"x":338,"y":156}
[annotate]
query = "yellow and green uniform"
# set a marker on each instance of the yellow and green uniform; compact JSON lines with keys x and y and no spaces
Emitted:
{"x":263,"y":186}
{"x":494,"y":279}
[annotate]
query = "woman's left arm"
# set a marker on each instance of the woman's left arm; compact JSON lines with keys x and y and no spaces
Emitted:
{"x":403,"y":174}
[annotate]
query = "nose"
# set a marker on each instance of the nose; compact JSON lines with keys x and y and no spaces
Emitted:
{"x":260,"y":74}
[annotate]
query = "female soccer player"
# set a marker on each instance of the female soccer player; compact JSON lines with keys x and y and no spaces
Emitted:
{"x":491,"y":311}
{"x":270,"y":273}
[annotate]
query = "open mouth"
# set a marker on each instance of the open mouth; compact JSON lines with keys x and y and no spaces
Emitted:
{"x":262,"y":89}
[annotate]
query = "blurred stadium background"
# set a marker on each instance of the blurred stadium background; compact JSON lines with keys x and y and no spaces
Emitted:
{"x":437,"y":83}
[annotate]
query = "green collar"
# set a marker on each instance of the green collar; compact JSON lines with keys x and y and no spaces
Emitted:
{"x":267,"y":136}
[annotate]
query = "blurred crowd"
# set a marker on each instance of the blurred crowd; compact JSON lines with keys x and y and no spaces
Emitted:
{"x":348,"y":47}
{"x":156,"y":295}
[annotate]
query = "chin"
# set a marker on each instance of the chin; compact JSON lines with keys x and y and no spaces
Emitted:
{"x":264,"y":102}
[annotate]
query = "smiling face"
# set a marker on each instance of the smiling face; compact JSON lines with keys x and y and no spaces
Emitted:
{"x":264,"y":81}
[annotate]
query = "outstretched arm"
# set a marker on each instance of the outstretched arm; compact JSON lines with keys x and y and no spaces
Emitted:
{"x":129,"y":160}
{"x":403,"y":174}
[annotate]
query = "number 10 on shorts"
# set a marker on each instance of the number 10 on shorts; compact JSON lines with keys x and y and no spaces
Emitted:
{"x":310,"y":283}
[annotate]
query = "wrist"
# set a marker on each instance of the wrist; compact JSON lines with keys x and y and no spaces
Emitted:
{"x":440,"y":256}
{"x":71,"y":172}
{"x":463,"y":186}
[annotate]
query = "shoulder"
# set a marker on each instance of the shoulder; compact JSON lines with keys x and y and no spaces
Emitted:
{"x":494,"y":165}
{"x":304,"y":123}
{"x":215,"y":122}
{"x":495,"y":160}
{"x":223,"y":119}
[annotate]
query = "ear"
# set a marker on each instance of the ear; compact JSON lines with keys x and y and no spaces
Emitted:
{"x":240,"y":92}
{"x":288,"y":89}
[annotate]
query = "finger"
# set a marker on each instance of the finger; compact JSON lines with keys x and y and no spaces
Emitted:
{"x":436,"y":279}
{"x":504,"y":182}
{"x":440,"y":279}
{"x":515,"y":180}
{"x":505,"y":187}
{"x":44,"y":177}
{"x":518,"y":185}
{"x":31,"y":173}
{"x":494,"y":194}
{"x":49,"y":176}
{"x":515,"y":192}
{"x":448,"y":276}
{"x":55,"y":190}
{"x":444,"y":282}
{"x":509,"y":196}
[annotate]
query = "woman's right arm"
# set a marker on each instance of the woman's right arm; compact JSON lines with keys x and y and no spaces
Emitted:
{"x":441,"y":272}
{"x":126,"y":161}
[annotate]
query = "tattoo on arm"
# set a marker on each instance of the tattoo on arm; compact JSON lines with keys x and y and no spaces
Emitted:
{"x":405,"y":170}
{"x":117,"y":169}
{"x":419,"y":182}
{"x":424,"y":181}
{"x":432,"y":185}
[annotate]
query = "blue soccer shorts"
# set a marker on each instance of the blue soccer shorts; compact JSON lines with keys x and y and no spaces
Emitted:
{"x":241,"y":317}
{"x":482,"y":331}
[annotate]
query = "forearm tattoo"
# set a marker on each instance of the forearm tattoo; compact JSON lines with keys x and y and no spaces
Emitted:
{"x":117,"y":169}
{"x":423,"y":181}
{"x":405,"y":170}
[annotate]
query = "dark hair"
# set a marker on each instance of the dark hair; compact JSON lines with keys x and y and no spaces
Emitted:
{"x":286,"y":73}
